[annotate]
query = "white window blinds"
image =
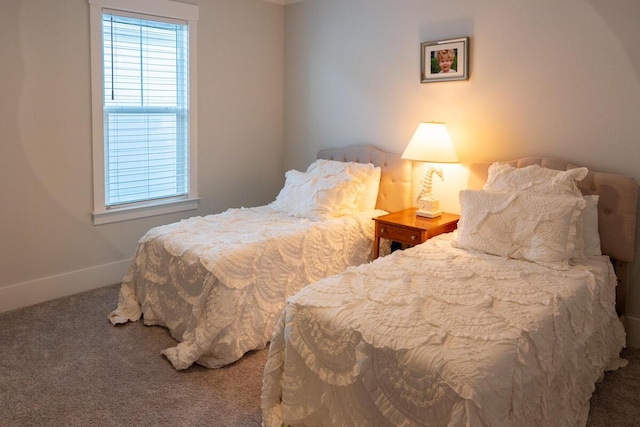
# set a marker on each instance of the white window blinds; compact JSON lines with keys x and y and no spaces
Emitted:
{"x":146,"y":108}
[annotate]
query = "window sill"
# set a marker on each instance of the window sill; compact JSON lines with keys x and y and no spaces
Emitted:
{"x":134,"y":212}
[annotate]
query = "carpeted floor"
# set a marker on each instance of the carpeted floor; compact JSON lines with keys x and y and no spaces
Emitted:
{"x":63,"y":364}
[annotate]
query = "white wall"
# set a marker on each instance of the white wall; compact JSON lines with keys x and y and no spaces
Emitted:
{"x":547,"y":78}
{"x":48,"y":244}
{"x":551,"y":78}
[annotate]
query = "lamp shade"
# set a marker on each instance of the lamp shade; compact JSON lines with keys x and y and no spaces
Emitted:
{"x":431,"y":143}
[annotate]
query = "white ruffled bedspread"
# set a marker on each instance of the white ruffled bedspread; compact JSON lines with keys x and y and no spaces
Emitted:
{"x":219,"y":282}
{"x":441,"y":336}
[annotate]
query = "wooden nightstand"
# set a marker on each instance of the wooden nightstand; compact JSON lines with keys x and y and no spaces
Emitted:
{"x":405,"y":227}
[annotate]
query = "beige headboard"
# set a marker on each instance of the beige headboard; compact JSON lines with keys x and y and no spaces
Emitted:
{"x":617,"y":207}
{"x":395,"y":180}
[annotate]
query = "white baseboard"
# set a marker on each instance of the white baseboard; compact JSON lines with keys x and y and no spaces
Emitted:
{"x":633,"y":332}
{"x":48,"y":288}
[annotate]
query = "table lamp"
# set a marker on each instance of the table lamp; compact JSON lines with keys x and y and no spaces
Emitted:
{"x":430,"y":143}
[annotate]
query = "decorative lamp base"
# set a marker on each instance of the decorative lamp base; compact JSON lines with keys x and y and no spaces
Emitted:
{"x":429,"y":206}
{"x":428,"y":214}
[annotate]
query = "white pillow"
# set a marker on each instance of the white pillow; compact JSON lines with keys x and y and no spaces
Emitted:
{"x":526,"y":226}
{"x":585,"y":221}
{"x":541,"y":180}
{"x":534,"y":178}
{"x":364,"y":173}
{"x":315,"y":197}
{"x":334,"y":167}
{"x":590,"y":233}
{"x":369,"y":198}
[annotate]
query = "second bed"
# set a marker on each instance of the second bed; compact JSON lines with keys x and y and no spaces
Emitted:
{"x":219,"y":282}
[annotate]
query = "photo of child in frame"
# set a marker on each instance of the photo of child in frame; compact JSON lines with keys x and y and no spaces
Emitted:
{"x":444,"y":61}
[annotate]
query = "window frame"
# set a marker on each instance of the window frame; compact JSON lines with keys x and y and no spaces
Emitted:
{"x":163,"y":9}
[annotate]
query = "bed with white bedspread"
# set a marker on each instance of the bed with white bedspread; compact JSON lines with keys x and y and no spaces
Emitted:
{"x":508,"y":321}
{"x":219,"y":282}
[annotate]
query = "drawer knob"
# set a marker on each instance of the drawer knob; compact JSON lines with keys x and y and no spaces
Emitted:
{"x":413,"y":237}
{"x":383,"y":230}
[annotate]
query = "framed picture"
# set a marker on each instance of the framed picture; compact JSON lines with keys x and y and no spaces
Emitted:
{"x":444,"y":60}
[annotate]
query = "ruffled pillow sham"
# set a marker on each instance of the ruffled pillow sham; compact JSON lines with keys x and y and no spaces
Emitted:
{"x":540,"y":180}
{"x":316,"y":197}
{"x":534,"y":178}
{"x":365,"y":173}
{"x":520,"y":225}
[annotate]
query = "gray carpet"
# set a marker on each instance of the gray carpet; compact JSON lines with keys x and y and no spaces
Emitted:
{"x":63,"y":364}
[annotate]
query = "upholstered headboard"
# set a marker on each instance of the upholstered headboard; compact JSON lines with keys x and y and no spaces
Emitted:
{"x":617,"y":207}
{"x":395,"y":180}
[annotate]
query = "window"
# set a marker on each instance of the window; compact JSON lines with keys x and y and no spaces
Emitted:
{"x":143,"y":102}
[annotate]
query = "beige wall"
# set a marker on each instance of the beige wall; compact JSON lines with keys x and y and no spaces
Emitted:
{"x":548,"y":77}
{"x":48,"y":244}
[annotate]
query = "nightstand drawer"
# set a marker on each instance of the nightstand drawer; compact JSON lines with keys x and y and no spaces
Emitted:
{"x":400,"y":234}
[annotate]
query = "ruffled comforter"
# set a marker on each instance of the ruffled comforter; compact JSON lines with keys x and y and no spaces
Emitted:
{"x":219,"y":282}
{"x":440,"y":336}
